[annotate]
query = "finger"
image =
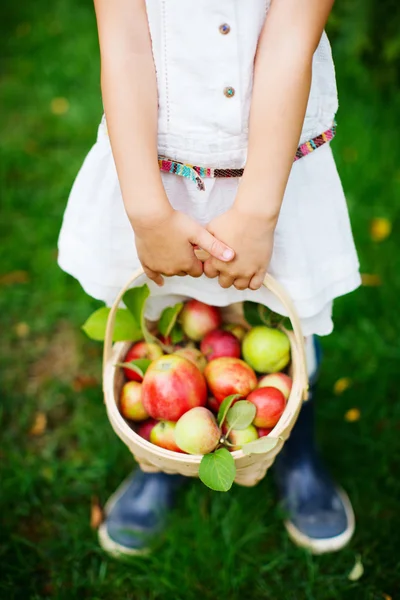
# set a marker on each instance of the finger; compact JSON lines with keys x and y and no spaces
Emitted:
{"x":154,"y":276}
{"x":210,"y":244}
{"x":256,"y":281}
{"x":241,"y":283}
{"x":210,"y":270}
{"x":196,"y":270}
{"x":225,"y":280}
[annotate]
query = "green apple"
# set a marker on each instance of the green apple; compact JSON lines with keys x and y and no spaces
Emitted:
{"x":239,"y":437}
{"x":266,"y":349}
{"x":197,"y":431}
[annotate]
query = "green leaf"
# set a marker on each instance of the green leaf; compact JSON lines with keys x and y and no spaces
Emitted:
{"x":225,"y":406}
{"x":263,"y":444}
{"x":258,"y":314}
{"x":135,"y":301}
{"x":168,"y":319}
{"x":125,"y":329}
{"x":357,"y":571}
{"x":241,"y":415}
{"x":139,"y":365}
{"x":177,"y":334}
{"x":217,"y":470}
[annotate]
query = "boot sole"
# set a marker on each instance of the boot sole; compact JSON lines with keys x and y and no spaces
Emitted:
{"x":324,"y":545}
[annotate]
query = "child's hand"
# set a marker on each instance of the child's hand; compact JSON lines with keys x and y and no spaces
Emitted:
{"x":165,"y":246}
{"x":252,"y":239}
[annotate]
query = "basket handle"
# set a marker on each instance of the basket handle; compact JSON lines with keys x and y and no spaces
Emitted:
{"x":269,"y":282}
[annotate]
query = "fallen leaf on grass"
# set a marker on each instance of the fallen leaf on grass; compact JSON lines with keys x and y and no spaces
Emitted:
{"x":371,"y":280}
{"x":380,"y":229}
{"x":341,"y":385}
{"x":22,"y":330}
{"x":387,"y":597}
{"x":59,"y":106}
{"x":357,"y":571}
{"x":14,"y":277}
{"x":352,"y":415}
{"x":82,"y":382}
{"x":39,"y":424}
{"x":96,"y":513}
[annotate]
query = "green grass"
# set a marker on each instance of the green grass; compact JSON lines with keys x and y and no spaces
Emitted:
{"x":217,"y":546}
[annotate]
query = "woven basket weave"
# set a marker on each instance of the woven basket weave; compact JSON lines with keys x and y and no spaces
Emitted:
{"x":250,"y":469}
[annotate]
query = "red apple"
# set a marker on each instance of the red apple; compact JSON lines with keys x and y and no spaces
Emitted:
{"x":131,"y":402}
{"x":280,"y":381}
{"x":239,"y":437}
{"x":145,"y":429}
{"x":173,"y":385}
{"x":227,"y":375}
{"x":197,"y":319}
{"x":263,"y":431}
{"x":213,"y":404}
{"x":270,"y":404}
{"x":220,"y":343}
{"x":141,"y":350}
{"x":195,"y":357}
{"x":163,"y":435}
{"x":197,"y":431}
{"x":238,"y":330}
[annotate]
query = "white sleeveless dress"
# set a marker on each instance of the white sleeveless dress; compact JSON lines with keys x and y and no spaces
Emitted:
{"x":197,"y":56}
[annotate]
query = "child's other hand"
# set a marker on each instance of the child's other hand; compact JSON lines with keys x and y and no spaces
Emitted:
{"x":165,"y":245}
{"x":252,"y":238}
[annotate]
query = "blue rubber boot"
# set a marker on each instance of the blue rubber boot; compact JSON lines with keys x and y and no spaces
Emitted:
{"x":320,"y":515}
{"x":136,"y":512}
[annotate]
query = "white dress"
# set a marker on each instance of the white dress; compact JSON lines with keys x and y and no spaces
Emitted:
{"x":314,"y":255}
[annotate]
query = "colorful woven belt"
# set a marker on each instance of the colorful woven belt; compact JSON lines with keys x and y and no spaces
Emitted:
{"x":196,"y":174}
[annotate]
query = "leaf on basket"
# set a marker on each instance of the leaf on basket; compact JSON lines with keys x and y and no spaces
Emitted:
{"x":168,"y":319}
{"x":263,"y":444}
{"x":217,"y":470}
{"x":139,"y":365}
{"x":241,"y":415}
{"x":177,"y":334}
{"x":125,"y":328}
{"x":225,"y":406}
{"x":135,"y":301}
{"x":357,"y":571}
{"x":253,"y":314}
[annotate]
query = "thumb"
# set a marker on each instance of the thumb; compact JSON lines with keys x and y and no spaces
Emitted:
{"x":210,"y":244}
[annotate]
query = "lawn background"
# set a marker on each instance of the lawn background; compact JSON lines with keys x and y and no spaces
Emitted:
{"x":217,"y":545}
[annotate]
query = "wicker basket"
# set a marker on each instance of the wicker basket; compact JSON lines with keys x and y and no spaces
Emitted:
{"x":250,"y":469}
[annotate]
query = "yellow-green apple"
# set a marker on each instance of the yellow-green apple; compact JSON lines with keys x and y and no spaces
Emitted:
{"x":141,"y":350}
{"x":270,"y":404}
{"x":227,"y":375}
{"x":239,"y":437}
{"x":131,"y":402}
{"x":194,"y":355}
{"x":238,"y":330}
{"x":163,"y":435}
{"x":281,"y":381}
{"x":173,"y":385}
{"x":263,"y":431}
{"x":197,"y":431}
{"x":266,"y":349}
{"x":198,"y":318}
{"x":145,"y":429}
{"x":220,"y":343}
{"x":213,"y":404}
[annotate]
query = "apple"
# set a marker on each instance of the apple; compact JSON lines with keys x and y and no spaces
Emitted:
{"x":194,"y":355}
{"x":270,"y":404}
{"x":220,"y":343}
{"x":198,"y":319}
{"x":228,"y":375}
{"x":131,"y":402}
{"x":172,"y":385}
{"x":238,"y":330}
{"x":145,"y":429}
{"x":263,"y":431}
{"x":239,"y":437}
{"x":213,"y":404}
{"x":163,"y":435}
{"x":281,"y":381}
{"x":141,"y":350}
{"x":197,"y":431}
{"x":266,"y":349}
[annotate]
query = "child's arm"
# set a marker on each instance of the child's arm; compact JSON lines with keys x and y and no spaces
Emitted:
{"x":282,"y":79}
{"x":164,"y":237}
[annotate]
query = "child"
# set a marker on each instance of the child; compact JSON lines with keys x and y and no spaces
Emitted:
{"x":219,"y":117}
